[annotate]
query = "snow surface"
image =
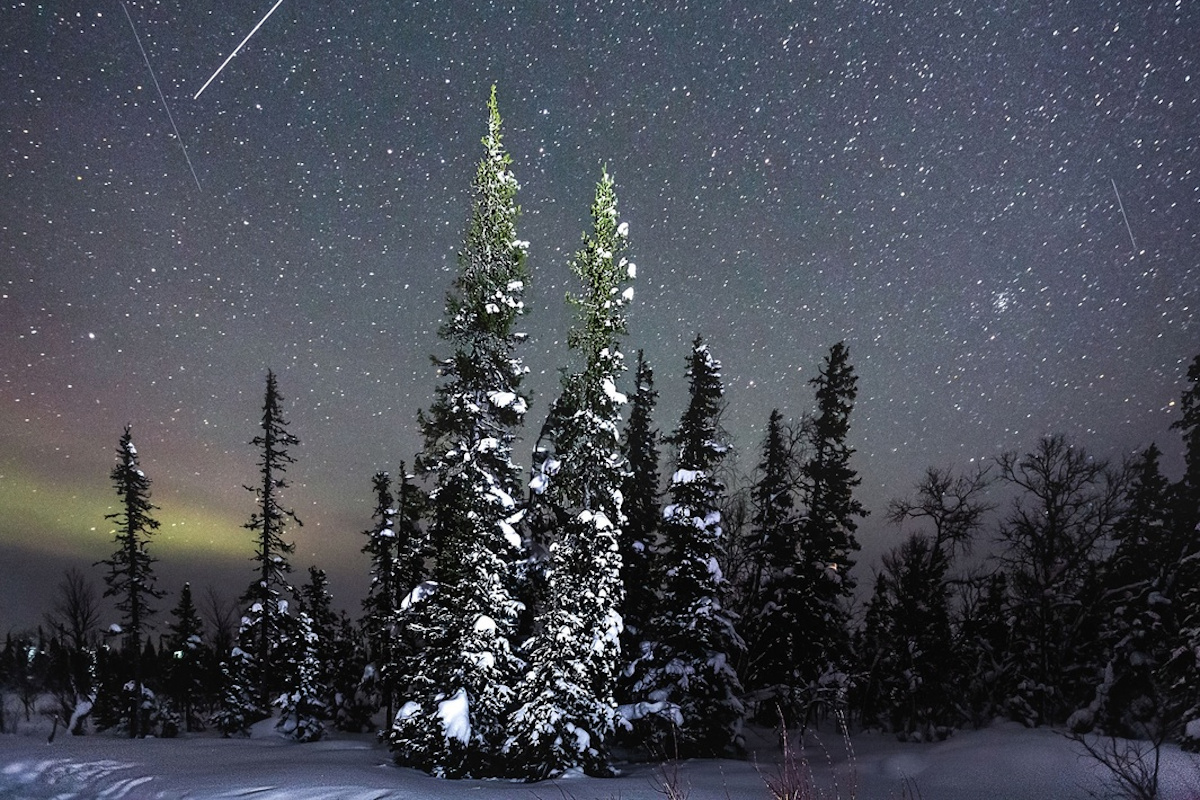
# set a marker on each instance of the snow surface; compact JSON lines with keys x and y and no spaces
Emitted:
{"x":1004,"y":761}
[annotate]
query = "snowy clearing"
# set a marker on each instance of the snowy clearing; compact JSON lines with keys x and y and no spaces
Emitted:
{"x":1004,"y":761}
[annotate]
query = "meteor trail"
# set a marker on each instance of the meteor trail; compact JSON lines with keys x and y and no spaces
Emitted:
{"x":1123,"y":215}
{"x":236,"y":49}
{"x":161,"y":97}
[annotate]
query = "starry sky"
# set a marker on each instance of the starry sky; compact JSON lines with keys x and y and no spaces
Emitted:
{"x":996,"y":205}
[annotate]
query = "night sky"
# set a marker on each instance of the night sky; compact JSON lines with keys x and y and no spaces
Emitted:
{"x":996,"y":205}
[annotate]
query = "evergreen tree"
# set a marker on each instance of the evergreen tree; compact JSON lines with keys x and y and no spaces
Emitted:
{"x":353,"y":700}
{"x":1182,"y":673}
{"x":982,"y":636}
{"x":111,"y":704}
{"x":566,"y":705}
{"x":914,"y":664}
{"x":1187,"y":491}
{"x":910,"y":654}
{"x":398,"y":551}
{"x":685,"y":670}
{"x":453,"y":721}
{"x":642,"y":511}
{"x":236,"y":708}
{"x":131,"y":573}
{"x":827,"y":539}
{"x":775,"y":581}
{"x":414,"y":554}
{"x":314,"y":599}
{"x":383,"y":595}
{"x":188,"y":658}
{"x":1137,"y":625}
{"x":302,"y":706}
{"x":268,"y":608}
{"x":340,"y":658}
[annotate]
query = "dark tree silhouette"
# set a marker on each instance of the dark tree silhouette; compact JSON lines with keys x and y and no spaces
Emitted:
{"x":265,"y":595}
{"x":131,"y":572}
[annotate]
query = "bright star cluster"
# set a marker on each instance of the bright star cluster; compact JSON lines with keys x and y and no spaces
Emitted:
{"x":996,"y":205}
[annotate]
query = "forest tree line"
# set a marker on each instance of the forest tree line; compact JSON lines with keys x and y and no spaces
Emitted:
{"x":625,"y":590}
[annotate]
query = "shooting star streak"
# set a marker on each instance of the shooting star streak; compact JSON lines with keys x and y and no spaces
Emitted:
{"x":161,"y":97}
{"x":236,"y":49}
{"x":1123,"y":215}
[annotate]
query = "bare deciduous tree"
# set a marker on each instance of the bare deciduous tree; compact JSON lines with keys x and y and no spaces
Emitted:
{"x":76,"y":610}
{"x":221,"y":615}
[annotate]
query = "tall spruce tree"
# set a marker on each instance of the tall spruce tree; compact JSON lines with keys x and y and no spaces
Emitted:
{"x":642,"y":510}
{"x":130,"y":578}
{"x":1137,"y":627}
{"x":398,"y":550}
{"x":684,"y":674}
{"x":453,"y":720}
{"x":776,"y":581}
{"x":1182,"y":673}
{"x":566,"y":704}
{"x":827,"y":540}
{"x":383,"y":595}
{"x":264,"y":624}
{"x":1187,"y":491}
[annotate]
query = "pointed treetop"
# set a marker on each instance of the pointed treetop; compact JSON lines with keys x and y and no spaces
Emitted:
{"x":603,"y":270}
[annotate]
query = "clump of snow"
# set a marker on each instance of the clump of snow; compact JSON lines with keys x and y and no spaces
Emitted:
{"x":502,"y":399}
{"x":1192,"y":729}
{"x":409,"y":709}
{"x":455,"y":714}
{"x":420,"y":592}
{"x":610,"y":391}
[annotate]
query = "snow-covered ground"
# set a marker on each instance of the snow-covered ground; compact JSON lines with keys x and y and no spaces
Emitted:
{"x":1003,"y":761}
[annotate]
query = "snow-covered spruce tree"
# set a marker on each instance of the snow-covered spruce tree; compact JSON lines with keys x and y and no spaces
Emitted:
{"x":187,"y":659}
{"x":398,"y":550}
{"x":383,"y":594}
{"x":264,"y":619}
{"x":302,"y":706}
{"x":130,"y":578}
{"x":642,"y":510}
{"x":340,"y":656}
{"x":1183,"y":670}
{"x":566,"y":707}
{"x":1137,"y":619}
{"x":775,"y":581}
{"x":236,"y":707}
{"x":454,"y":716}
{"x":1186,"y":493}
{"x":684,"y":679}
{"x":827,"y":540}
